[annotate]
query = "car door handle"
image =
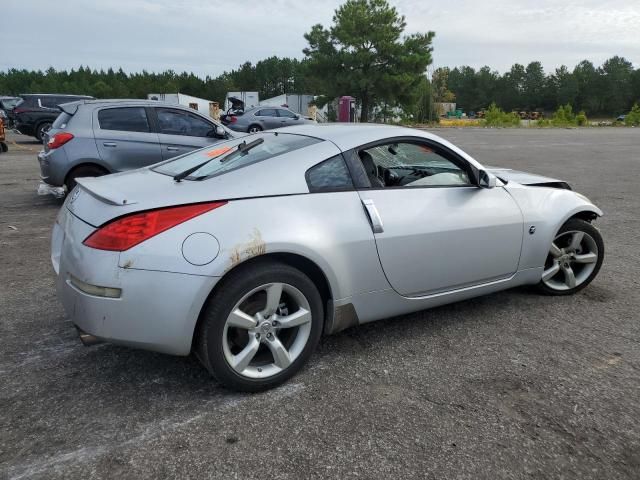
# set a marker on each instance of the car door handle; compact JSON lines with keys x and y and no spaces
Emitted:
{"x":110,"y":144}
{"x":173,"y":149}
{"x":374,"y":216}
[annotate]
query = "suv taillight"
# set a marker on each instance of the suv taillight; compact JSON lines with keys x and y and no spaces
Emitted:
{"x":130,"y":230}
{"x":59,"y":139}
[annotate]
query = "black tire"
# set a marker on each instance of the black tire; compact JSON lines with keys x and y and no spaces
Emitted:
{"x":209,"y":341}
{"x":576,"y":224}
{"x":255,"y":127}
{"x":82,"y":171}
{"x":41,"y":129}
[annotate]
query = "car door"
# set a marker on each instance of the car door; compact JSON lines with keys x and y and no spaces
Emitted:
{"x":287,"y":117}
{"x":435,"y":230}
{"x":180,"y":131}
{"x":269,"y":118}
{"x":124,"y":138}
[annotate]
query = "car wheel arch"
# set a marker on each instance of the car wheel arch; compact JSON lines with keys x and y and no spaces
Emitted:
{"x":300,"y":262}
{"x":80,"y":165}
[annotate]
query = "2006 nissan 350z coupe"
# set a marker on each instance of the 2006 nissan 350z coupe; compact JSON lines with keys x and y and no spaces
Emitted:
{"x":246,"y":252}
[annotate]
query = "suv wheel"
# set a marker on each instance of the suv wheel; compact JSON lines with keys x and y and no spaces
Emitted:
{"x":41,"y":130}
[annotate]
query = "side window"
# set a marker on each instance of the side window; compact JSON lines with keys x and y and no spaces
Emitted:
{"x":330,"y":175}
{"x":127,"y":119}
{"x":50,"y":102}
{"x":267,"y":112}
{"x":410,"y":165}
{"x":178,"y":122}
{"x":286,"y":113}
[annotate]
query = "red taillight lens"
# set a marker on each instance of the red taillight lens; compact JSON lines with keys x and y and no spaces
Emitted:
{"x":233,"y":119}
{"x":126,"y":232}
{"x":59,"y":139}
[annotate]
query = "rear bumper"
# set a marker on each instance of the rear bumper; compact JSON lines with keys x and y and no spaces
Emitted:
{"x":153,"y":311}
{"x":53,"y":165}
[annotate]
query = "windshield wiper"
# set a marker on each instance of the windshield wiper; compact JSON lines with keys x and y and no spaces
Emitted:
{"x":243,"y":149}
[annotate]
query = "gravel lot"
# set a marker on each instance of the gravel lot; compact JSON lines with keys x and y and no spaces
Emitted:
{"x":511,"y":385}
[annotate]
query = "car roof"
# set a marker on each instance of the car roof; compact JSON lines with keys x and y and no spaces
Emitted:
{"x":351,"y":135}
{"x":54,"y":95}
{"x":137,"y":101}
{"x":262,"y":107}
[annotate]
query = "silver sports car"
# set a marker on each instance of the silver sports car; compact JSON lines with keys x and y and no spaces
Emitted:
{"x":246,"y":252}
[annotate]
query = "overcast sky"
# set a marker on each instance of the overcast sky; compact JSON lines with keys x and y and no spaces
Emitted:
{"x":208,"y":37}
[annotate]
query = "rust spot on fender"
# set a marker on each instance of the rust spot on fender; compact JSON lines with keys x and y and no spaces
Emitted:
{"x":244,"y":251}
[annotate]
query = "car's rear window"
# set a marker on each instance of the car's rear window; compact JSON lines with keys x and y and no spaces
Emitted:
{"x":61,"y":121}
{"x":274,"y":144}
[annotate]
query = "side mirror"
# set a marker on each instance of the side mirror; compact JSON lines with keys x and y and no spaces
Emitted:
{"x":297,"y":117}
{"x":486,"y":179}
{"x":218,"y":132}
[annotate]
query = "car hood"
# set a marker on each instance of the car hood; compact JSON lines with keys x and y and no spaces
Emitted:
{"x":525,"y":178}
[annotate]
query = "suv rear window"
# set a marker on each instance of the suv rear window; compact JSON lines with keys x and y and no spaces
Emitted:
{"x":273,"y":145}
{"x":126,"y":119}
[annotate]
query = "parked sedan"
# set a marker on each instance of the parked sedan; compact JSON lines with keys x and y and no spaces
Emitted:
{"x":97,"y":137}
{"x":248,"y":251}
{"x":265,"y":118}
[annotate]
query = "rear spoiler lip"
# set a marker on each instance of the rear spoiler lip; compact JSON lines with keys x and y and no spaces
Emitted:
{"x":110,"y":196}
{"x":69,"y":108}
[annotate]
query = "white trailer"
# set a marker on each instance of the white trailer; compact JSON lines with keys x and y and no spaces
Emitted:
{"x":200,"y":104}
{"x":295,"y":102}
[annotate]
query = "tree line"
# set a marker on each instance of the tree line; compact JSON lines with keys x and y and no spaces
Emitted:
{"x":610,"y":89}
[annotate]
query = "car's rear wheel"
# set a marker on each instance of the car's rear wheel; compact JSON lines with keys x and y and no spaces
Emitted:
{"x":255,"y":128}
{"x":41,"y":130}
{"x":82,"y":171}
{"x":260,"y":327}
{"x":574,"y":258}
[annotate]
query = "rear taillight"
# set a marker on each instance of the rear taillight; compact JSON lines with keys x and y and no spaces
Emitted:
{"x":20,"y":110}
{"x":59,"y":139}
{"x":129,"y":231}
{"x":233,"y":119}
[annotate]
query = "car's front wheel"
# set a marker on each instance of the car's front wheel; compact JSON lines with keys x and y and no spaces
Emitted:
{"x":574,"y":259}
{"x":260,"y":327}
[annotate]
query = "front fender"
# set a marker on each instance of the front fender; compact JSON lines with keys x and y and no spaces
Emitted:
{"x":544,"y":211}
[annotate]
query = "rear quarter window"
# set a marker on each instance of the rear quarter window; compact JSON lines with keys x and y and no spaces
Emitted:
{"x":330,"y":175}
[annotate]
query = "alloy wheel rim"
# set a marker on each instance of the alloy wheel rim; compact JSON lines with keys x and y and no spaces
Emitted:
{"x":571,"y":260}
{"x":266,"y":330}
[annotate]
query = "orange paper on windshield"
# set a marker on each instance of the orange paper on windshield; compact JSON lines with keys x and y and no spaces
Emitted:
{"x":217,"y":151}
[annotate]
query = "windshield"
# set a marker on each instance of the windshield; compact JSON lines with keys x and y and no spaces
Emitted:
{"x":224,"y":160}
{"x":9,"y":103}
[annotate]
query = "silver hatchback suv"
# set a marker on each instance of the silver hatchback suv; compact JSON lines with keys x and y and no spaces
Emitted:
{"x":97,"y":137}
